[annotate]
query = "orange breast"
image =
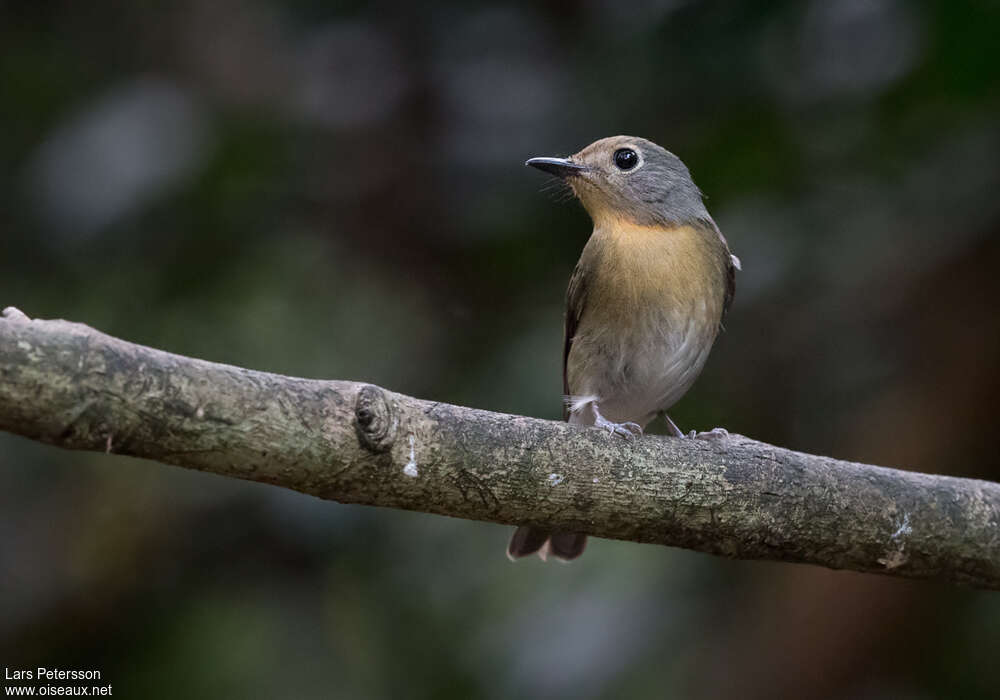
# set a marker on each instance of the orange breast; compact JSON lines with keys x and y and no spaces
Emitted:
{"x":634,"y":267}
{"x":653,"y":304}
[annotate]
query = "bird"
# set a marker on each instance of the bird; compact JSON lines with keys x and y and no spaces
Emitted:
{"x":644,"y":304}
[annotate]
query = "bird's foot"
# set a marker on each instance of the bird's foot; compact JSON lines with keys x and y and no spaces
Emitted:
{"x":12,"y":313}
{"x":713,"y":434}
{"x":628,"y":429}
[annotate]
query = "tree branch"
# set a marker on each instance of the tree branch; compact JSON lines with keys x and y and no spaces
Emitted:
{"x":68,"y":385}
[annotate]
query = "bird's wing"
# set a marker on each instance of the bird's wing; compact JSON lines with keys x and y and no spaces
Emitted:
{"x":731,"y":264}
{"x":576,"y":296}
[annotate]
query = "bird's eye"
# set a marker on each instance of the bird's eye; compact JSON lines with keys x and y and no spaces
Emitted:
{"x":626,"y":158}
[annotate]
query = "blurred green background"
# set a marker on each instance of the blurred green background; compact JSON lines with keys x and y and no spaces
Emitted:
{"x":336,"y":190}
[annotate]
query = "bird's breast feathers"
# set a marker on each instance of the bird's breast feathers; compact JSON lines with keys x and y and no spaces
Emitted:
{"x":654,"y":302}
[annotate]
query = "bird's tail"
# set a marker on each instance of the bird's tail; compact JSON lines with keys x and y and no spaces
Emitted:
{"x":528,"y":540}
{"x":566,"y":546}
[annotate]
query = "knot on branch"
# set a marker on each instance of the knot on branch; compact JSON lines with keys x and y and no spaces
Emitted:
{"x":374,"y":419}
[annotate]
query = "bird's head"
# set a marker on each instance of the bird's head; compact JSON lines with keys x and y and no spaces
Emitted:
{"x":627,"y":178}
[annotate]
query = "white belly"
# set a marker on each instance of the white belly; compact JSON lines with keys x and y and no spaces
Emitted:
{"x":634,"y":375}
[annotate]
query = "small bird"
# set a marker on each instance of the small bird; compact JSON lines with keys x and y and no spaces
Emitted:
{"x":645,"y":301}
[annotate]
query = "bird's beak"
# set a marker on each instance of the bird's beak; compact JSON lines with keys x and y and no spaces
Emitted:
{"x":560,"y":167}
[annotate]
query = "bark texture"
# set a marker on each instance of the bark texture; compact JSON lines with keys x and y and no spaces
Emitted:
{"x":68,"y":385}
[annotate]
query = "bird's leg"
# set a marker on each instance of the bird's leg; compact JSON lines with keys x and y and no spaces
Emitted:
{"x":628,"y":429}
{"x":674,"y":430}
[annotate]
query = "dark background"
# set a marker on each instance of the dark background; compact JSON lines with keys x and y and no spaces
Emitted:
{"x":336,"y":190}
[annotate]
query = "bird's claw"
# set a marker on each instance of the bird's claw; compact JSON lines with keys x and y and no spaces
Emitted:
{"x":628,"y":429}
{"x":12,"y":313}
{"x":713,"y":434}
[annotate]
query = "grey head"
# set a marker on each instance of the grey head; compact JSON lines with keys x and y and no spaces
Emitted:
{"x":630,"y":178}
